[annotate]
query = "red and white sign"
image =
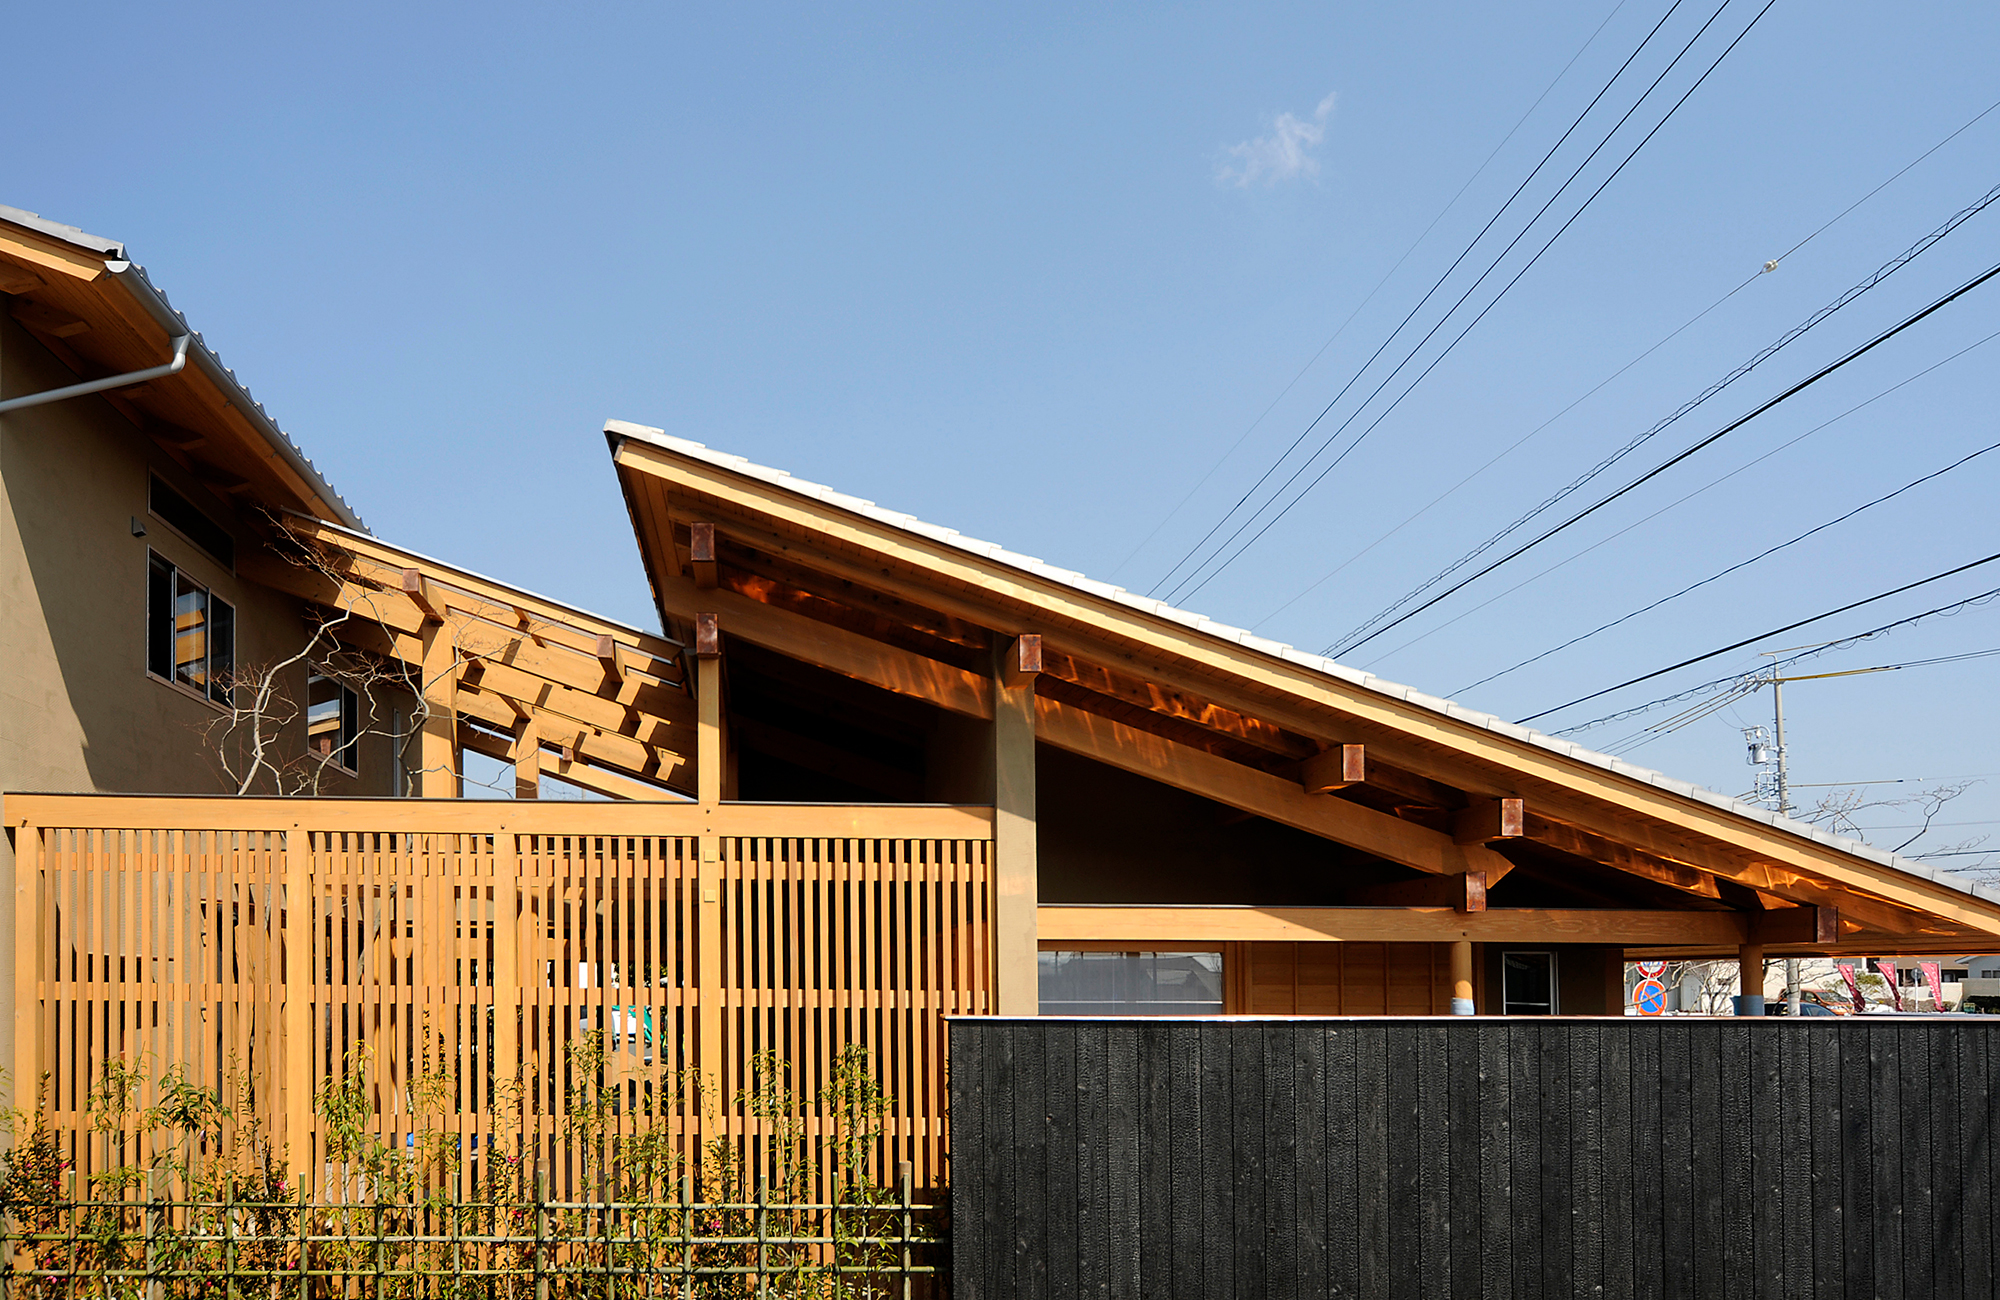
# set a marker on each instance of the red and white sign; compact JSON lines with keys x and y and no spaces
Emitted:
{"x":1651,"y":970}
{"x":1934,"y":976}
{"x":1846,"y":969}
{"x":1888,"y":969}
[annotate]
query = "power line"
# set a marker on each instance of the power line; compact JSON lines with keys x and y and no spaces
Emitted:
{"x":1853,"y":293}
{"x":1428,"y":294}
{"x":1691,"y":321}
{"x":1643,"y":520}
{"x":1386,"y":276}
{"x":1779,"y":631}
{"x":1678,"y":457}
{"x":1491,"y":304}
{"x":1715,"y":577}
{"x":1748,"y":684}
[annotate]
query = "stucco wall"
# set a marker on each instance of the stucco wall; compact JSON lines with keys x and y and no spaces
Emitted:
{"x":78,"y":710}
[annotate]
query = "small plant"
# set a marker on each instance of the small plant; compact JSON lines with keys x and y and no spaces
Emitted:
{"x":192,"y":1200}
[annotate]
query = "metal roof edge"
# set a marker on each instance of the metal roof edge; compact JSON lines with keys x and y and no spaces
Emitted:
{"x":622,"y":429}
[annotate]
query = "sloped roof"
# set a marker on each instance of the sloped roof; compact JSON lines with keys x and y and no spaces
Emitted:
{"x":154,"y":302}
{"x":1201,"y":625}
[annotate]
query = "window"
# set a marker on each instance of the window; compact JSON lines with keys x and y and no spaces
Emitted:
{"x":1131,"y":983}
{"x":190,"y":632}
{"x":1528,"y":983}
{"x":185,"y":516}
{"x":333,"y":722}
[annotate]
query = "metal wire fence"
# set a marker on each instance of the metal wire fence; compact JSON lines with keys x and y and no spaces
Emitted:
{"x":878,"y":1248}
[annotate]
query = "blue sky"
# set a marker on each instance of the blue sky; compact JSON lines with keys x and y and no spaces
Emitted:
{"x":1030,"y":272}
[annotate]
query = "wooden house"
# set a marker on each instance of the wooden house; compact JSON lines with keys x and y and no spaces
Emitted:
{"x":866,"y":773}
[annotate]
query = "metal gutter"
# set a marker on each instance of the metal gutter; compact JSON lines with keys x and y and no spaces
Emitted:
{"x":125,"y":380}
{"x":133,"y":277}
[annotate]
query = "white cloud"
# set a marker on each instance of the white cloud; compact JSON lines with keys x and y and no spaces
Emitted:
{"x":1283,"y":155}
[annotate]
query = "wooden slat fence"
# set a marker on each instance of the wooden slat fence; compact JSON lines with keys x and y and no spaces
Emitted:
{"x":1476,"y":1158}
{"x":465,"y":968}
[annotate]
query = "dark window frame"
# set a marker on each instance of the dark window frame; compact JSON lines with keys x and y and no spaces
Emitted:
{"x":346,"y":757}
{"x":218,"y":630}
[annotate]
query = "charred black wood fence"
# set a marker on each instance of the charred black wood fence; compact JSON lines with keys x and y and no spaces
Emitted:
{"x":1479,"y":1157}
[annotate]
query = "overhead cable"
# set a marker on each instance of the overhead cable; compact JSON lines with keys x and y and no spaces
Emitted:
{"x":1423,"y":374}
{"x":1429,"y":293}
{"x":1789,"y":393}
{"x":1675,"y":504}
{"x":1779,"y":631}
{"x":1740,"y":564}
{"x":1669,"y":337}
{"x":1386,"y":276}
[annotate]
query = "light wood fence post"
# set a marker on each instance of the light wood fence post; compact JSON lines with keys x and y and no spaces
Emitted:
{"x":298,"y":992}
{"x":27,"y":964}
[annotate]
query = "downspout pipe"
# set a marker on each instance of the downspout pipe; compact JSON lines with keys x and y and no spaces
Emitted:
{"x":126,"y":380}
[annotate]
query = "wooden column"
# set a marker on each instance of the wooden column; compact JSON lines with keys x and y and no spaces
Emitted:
{"x":527,"y":759}
{"x":708,"y":772}
{"x":708,"y":747}
{"x":437,"y":749}
{"x":506,"y":976}
{"x":297,"y":986}
{"x":27,"y":964}
{"x":1016,"y":884}
{"x":1750,"y":979}
{"x":1462,"y":1003}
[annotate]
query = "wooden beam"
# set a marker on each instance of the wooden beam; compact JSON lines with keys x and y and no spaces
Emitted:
{"x":1204,"y":927}
{"x":577,"y":773}
{"x":1025,"y":664}
{"x":17,"y":279}
{"x":662,"y":815}
{"x":44,"y":319}
{"x":849,"y":654}
{"x":607,"y":654}
{"x":1252,"y":791}
{"x":419,"y":593}
{"x":1488,"y":821}
{"x":1537,"y":829}
{"x":1462,"y":892}
{"x":1334,"y":768}
{"x":1815,"y":925}
{"x":701,"y":555}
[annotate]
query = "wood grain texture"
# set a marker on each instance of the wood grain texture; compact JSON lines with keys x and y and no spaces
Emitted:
{"x":1478,"y":1158}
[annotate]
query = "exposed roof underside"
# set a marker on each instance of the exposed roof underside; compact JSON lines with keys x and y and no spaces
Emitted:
{"x":97,"y":311}
{"x":845,"y":583}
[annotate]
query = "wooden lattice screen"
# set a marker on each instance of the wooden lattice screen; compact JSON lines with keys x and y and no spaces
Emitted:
{"x":468,"y":966}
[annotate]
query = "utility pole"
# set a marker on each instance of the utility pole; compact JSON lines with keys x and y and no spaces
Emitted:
{"x":1761,"y":754}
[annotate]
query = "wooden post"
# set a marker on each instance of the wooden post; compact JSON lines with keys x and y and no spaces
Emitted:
{"x":298,"y":990}
{"x":1750,"y":980}
{"x":708,"y":705}
{"x":708,"y":868}
{"x":1016,"y":885}
{"x":506,"y":977}
{"x":527,"y":759}
{"x":437,"y":749}
{"x":27,"y":965}
{"x":1462,"y":1003}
